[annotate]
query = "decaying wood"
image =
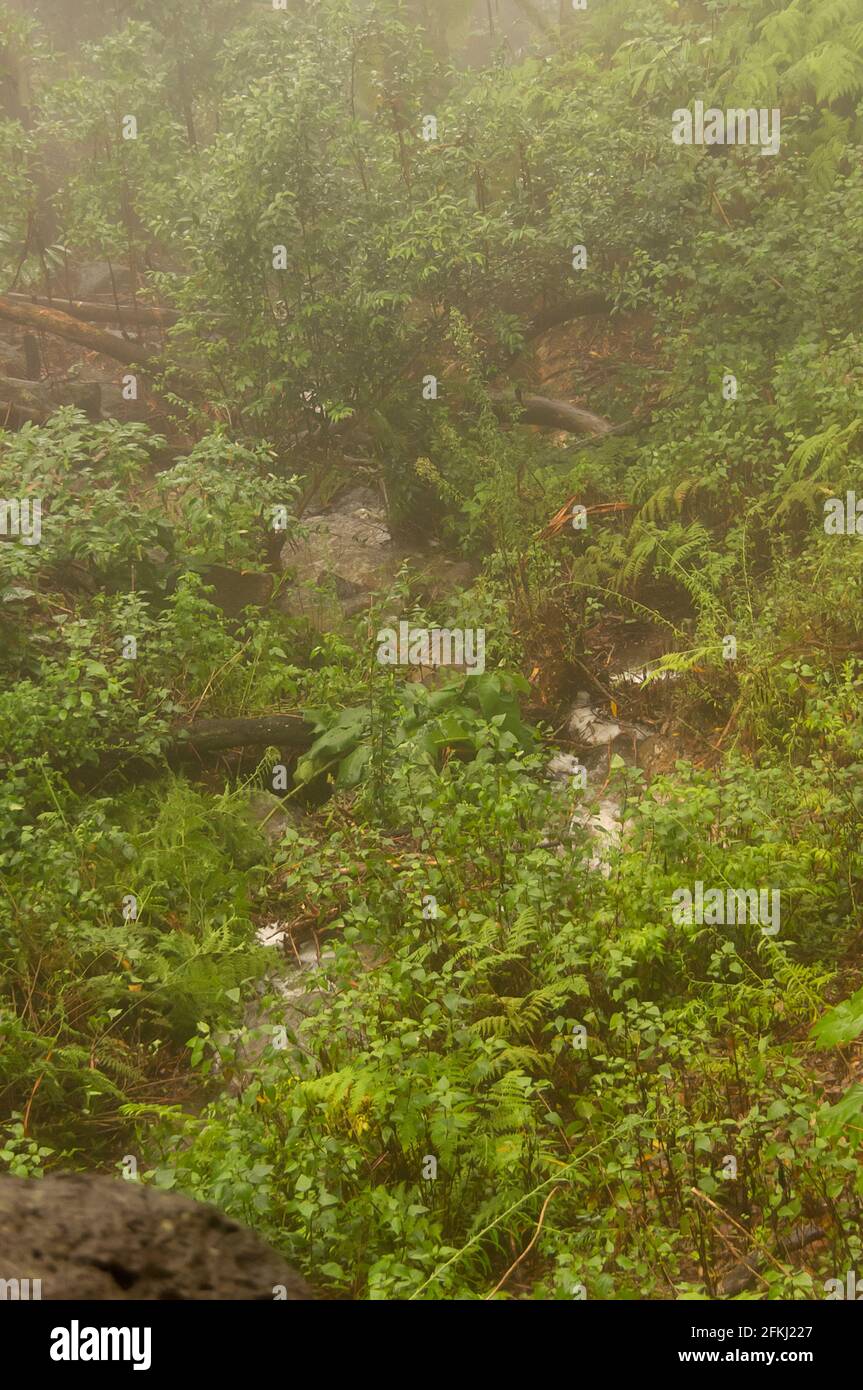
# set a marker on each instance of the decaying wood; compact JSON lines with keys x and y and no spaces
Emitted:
{"x":32,"y":358}
{"x":91,"y":312}
{"x":589,"y":305}
{"x":36,"y":400}
{"x":192,"y":743}
{"x":560,"y":415}
{"x":744,"y":1274}
{"x":205,"y":736}
{"x":62,"y":325}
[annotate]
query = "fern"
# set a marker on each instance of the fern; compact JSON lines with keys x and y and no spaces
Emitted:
{"x":708,"y":654}
{"x":834,"y":445}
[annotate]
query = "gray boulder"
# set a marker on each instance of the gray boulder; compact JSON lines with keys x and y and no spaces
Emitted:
{"x":89,"y":1236}
{"x":95,"y":277}
{"x":348,"y":558}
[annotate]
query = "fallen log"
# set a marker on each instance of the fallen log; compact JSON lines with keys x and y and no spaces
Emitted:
{"x":36,"y":400}
{"x":560,"y":415}
{"x":743,"y":1275}
{"x":593,"y":304}
{"x":194,"y":742}
{"x":62,"y":325}
{"x":129,"y":314}
{"x":204,"y":736}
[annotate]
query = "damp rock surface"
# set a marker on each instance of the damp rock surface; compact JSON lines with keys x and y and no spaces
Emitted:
{"x":347,"y":557}
{"x":93,"y":1237}
{"x":347,"y":553}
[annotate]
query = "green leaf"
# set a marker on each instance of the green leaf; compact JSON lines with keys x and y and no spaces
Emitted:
{"x":840,"y":1025}
{"x":833,"y":1119}
{"x":352,"y":767}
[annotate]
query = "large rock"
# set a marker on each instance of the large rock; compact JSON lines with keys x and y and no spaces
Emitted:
{"x":273,"y":815}
{"x":237,"y":589}
{"x":601,"y":735}
{"x":115,"y":406}
{"x":87,"y":1236}
{"x":347,"y":553}
{"x":587,"y":726}
{"x":348,"y":558}
{"x":101,"y":277}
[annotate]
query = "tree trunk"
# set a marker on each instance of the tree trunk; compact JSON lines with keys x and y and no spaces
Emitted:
{"x":535,"y":16}
{"x":567,"y":16}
